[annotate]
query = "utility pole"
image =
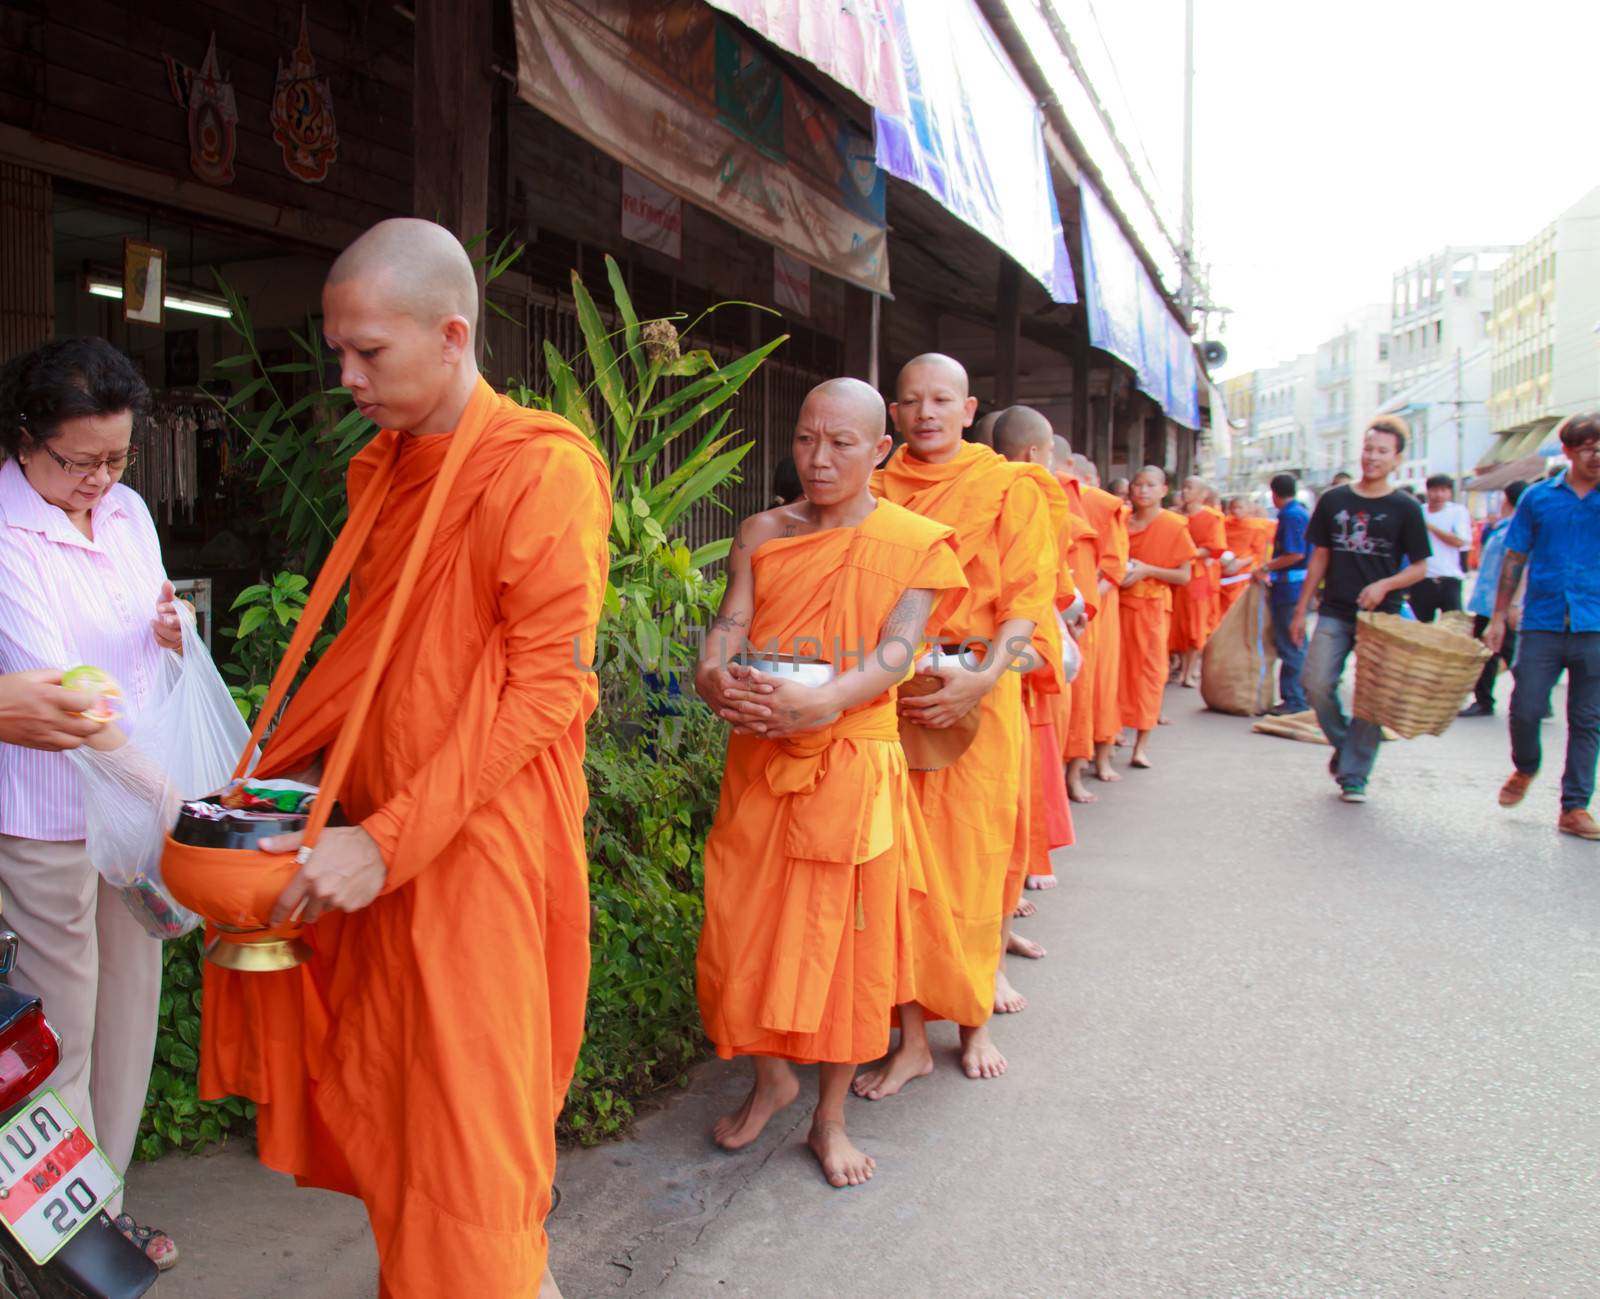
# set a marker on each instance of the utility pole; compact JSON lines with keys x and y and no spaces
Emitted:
{"x":1460,"y":432}
{"x":1186,"y":290}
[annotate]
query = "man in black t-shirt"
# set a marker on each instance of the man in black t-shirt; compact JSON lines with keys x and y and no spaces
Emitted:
{"x":1370,"y":543}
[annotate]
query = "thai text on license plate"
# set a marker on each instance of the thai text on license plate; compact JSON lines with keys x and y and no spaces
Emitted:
{"x":53,"y":1179}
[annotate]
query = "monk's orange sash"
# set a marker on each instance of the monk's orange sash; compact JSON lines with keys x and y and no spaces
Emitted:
{"x":838,"y":813}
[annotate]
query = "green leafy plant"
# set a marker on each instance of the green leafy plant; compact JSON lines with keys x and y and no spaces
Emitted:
{"x":175,"y":1118}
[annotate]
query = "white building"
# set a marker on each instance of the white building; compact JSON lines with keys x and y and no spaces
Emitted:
{"x":1438,"y":358}
{"x":1352,"y":379}
{"x":1279,"y":437}
{"x":1546,"y":312}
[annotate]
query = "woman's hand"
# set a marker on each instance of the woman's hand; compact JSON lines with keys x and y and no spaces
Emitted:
{"x":168,"y":622}
{"x":37,"y":713}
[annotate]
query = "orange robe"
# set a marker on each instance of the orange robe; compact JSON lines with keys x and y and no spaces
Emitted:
{"x":420,"y":1059}
{"x":817,"y":855}
{"x":1250,"y":542}
{"x":1109,"y":514}
{"x":1146,"y":613}
{"x":1077,"y":736}
{"x":1003,"y":536}
{"x":1194,"y":607}
{"x":1044,"y":813}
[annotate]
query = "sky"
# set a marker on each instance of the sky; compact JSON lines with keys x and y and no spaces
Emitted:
{"x":1334,"y":144}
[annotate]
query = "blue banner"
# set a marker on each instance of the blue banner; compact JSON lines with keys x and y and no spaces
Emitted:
{"x":972,"y":136}
{"x":1129,"y":318}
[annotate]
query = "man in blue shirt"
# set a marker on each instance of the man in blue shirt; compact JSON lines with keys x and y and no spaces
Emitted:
{"x":1555,"y":537}
{"x":1285,"y":573}
{"x":1491,"y":555}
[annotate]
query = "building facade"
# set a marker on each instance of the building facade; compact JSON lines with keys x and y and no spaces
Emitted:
{"x":1278,"y":437}
{"x":1352,"y":381}
{"x":1546,"y":310}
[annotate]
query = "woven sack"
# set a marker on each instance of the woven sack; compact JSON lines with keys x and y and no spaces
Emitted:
{"x":1236,"y":666}
{"x":1411,"y":676}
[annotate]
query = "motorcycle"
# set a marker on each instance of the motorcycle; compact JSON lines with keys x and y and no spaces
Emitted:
{"x":55,"y":1240}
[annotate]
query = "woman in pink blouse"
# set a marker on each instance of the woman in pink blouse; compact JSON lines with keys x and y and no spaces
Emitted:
{"x":81,"y":581}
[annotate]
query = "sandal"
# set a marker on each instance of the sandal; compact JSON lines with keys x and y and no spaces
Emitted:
{"x":157,"y":1246}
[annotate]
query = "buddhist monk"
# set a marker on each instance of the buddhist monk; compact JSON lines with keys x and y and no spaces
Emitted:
{"x":1251,"y":547}
{"x":1002,"y":524}
{"x":1192,"y":615}
{"x":420,"y":1059}
{"x":983,"y":430}
{"x":1024,"y":437}
{"x":1108,"y":514}
{"x":1160,"y":552}
{"x":817,"y":846}
{"x":1119,"y":488}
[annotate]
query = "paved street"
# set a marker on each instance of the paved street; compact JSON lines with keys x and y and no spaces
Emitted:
{"x":1281,"y":1047}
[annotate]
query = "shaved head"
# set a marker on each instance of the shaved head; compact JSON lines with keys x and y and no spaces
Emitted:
{"x":951,"y":368}
{"x":420,"y":270}
{"x":983,"y":430}
{"x":1063,"y":451}
{"x":1086,"y":470}
{"x":1021,"y":429}
{"x":854,"y":405}
{"x":1155,"y":472}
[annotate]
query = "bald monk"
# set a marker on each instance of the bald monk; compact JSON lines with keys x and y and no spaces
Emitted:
{"x":982,"y":432}
{"x":1044,"y":821}
{"x":1192,"y":614}
{"x":1120,"y":488}
{"x":1002,"y":524}
{"x":1160,"y":552}
{"x":817,"y":848}
{"x":1108,"y":514}
{"x":420,"y":1059}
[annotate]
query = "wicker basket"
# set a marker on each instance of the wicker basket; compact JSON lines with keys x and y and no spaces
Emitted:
{"x":1456,"y":620}
{"x":1412,"y":676}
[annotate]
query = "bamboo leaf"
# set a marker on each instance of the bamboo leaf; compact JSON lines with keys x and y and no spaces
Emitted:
{"x":245,"y":393}
{"x":707,"y":480}
{"x":630,"y":320}
{"x":710,"y":553}
{"x":604,"y":361}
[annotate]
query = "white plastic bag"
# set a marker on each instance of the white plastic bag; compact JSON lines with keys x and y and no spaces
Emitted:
{"x":1071,"y":655}
{"x":184,"y":746}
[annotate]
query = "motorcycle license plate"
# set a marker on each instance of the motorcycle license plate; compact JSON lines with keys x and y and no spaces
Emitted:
{"x":53,"y":1179}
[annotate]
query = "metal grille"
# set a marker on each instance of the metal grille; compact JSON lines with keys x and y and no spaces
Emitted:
{"x":27,"y":314}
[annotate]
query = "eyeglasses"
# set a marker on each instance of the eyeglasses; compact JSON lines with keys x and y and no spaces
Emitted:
{"x":82,"y":469}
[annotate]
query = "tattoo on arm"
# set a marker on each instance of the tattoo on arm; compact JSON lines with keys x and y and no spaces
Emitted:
{"x":1510,"y":578}
{"x":909,"y":615}
{"x":730,"y":622}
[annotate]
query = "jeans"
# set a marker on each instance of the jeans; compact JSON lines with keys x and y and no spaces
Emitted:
{"x":1483,"y":692}
{"x":1541,"y":655}
{"x":1281,"y":600}
{"x":1435,"y":595}
{"x":1355,"y":741}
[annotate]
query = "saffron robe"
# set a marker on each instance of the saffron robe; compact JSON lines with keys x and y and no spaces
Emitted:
{"x":1194,"y":607}
{"x":1044,"y":813}
{"x":1251,"y":543}
{"x":1003,"y":536}
{"x":818,"y":853}
{"x":1109,"y":514}
{"x":1075,"y":720}
{"x":1146,"y":613}
{"x":420,"y":1059}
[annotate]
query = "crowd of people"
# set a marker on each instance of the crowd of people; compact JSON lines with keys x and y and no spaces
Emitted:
{"x":926,"y":652}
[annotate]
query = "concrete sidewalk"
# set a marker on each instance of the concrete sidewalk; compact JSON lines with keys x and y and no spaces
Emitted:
{"x":1281,"y":1047}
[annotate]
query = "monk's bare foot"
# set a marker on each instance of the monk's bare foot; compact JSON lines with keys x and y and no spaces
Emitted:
{"x":1078,"y":792}
{"x":1189,"y":683}
{"x":1007,"y":1000}
{"x":1025,"y":908}
{"x":1017,"y":945}
{"x":768,"y":1096}
{"x":980,"y":1057}
{"x":1163,"y":720}
{"x":1122,"y":741}
{"x":1107,"y":773}
{"x":1039,"y":882}
{"x":843,"y":1163}
{"x":548,"y":1289}
{"x":1141,"y":760}
{"x":905,"y":1065}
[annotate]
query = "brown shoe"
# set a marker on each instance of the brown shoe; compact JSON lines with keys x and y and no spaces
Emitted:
{"x":1576,"y":820}
{"x":1515,"y":789}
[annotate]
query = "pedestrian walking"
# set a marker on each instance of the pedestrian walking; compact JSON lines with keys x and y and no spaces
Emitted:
{"x":1285,"y":574}
{"x":1449,"y":533}
{"x":1481,"y":605}
{"x":1369,"y":544}
{"x":1554,"y":539}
